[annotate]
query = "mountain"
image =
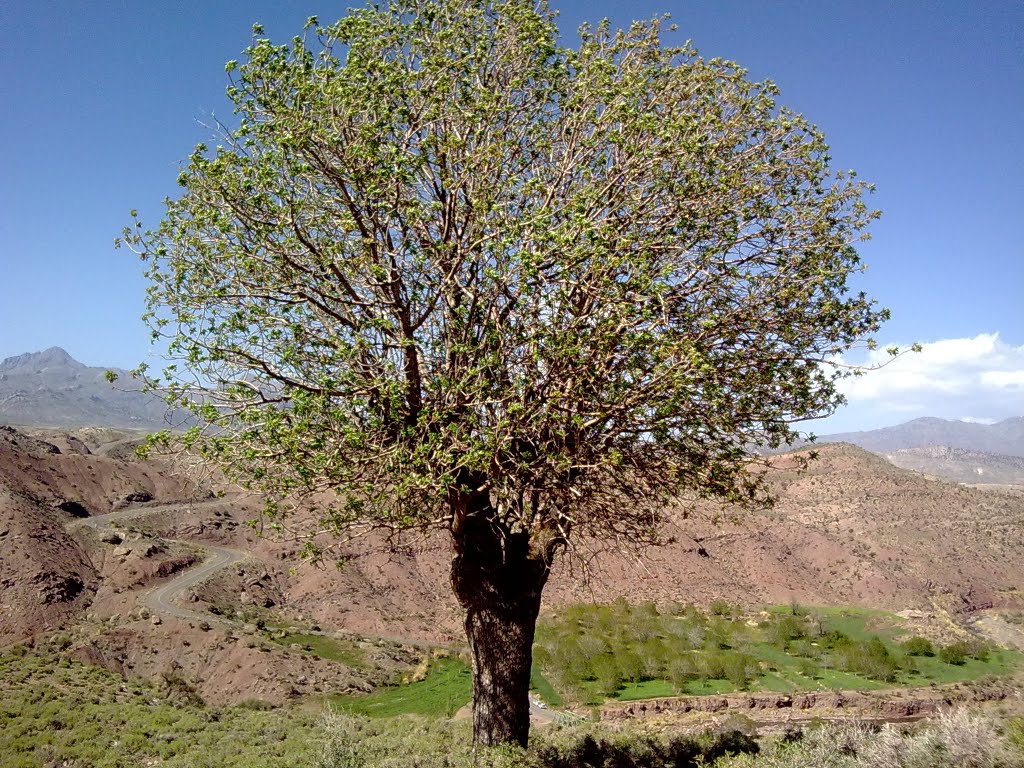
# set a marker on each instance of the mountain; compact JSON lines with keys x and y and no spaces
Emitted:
{"x":1005,"y":438}
{"x":961,"y":465}
{"x":51,"y":388}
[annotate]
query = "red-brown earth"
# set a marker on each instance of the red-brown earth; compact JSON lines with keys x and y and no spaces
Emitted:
{"x":853,"y":529}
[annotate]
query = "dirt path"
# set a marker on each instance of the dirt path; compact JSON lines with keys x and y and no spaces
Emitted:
{"x":163,"y":599}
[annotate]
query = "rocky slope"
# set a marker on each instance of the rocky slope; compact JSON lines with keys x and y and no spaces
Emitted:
{"x":81,"y":588}
{"x":853,"y":529}
{"x":48,"y":575}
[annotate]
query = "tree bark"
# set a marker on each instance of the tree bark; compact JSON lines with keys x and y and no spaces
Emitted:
{"x":498,"y":578}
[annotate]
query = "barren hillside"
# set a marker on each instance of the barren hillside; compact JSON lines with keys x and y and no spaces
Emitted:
{"x":853,"y":529}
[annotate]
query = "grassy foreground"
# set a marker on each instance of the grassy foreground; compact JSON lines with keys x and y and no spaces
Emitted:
{"x":59,"y":713}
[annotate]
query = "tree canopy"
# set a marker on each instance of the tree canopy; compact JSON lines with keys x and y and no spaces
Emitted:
{"x":460,"y":271}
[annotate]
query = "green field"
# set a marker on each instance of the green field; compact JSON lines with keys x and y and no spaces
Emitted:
{"x":592,"y":653}
{"x":588,"y":654}
{"x":446,"y":688}
{"x":345,"y":652}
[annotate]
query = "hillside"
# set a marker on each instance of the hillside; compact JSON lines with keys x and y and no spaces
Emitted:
{"x":68,"y":576}
{"x":961,"y":465}
{"x":89,"y":532}
{"x":51,"y":388}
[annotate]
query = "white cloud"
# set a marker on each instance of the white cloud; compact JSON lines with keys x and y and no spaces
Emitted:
{"x":982,"y":376}
{"x":1005,"y":379}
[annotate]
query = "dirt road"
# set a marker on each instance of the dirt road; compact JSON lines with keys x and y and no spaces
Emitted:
{"x":163,"y":599}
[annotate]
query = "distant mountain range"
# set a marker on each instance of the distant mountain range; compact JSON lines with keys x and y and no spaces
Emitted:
{"x":1006,"y":437}
{"x":52,"y":389}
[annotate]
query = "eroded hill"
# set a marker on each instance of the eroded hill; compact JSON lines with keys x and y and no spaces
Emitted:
{"x":853,"y":529}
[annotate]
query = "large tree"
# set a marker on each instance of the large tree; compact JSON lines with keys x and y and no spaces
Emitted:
{"x":471,"y":279}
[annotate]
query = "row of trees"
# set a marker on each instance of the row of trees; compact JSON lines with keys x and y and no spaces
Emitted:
{"x":590,"y":649}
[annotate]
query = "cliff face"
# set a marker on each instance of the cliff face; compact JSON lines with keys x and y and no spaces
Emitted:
{"x":45,"y":577}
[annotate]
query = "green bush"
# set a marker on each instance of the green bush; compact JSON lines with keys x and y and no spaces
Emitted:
{"x":871,"y":659}
{"x":954,"y":653}
{"x":606,"y":674}
{"x":722,"y":608}
{"x":785,"y":629}
{"x":809,"y":669}
{"x":919,"y":646}
{"x":683,"y":670}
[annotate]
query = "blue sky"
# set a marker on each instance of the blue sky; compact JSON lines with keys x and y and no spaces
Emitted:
{"x":101,"y":102}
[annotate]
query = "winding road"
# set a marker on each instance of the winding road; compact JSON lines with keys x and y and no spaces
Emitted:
{"x":163,"y":599}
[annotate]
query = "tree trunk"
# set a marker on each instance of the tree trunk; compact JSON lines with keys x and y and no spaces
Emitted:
{"x":498,"y":581}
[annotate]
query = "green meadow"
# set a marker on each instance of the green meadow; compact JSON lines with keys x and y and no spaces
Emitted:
{"x":587,"y":654}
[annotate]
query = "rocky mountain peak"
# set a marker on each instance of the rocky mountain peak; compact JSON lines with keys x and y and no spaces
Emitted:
{"x":51,"y":388}
{"x":54,"y":357}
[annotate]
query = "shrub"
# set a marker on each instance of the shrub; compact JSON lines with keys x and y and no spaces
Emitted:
{"x":653,"y":658}
{"x":683,"y":670}
{"x":606,"y":673}
{"x":956,"y":739}
{"x":809,"y":669}
{"x":871,"y":659}
{"x":953,"y":654}
{"x":588,"y":751}
{"x":958,"y":652}
{"x":834,"y":639}
{"x":631,"y":666}
{"x":721,"y":608}
{"x":919,"y":646}
{"x":739,"y":669}
{"x":256,"y":705}
{"x":1015,"y":735}
{"x":784,"y":629}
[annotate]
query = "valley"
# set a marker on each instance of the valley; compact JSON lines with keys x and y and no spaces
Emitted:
{"x":148,"y":572}
{"x":163,"y":578}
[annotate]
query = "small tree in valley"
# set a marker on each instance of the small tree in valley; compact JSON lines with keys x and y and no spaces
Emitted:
{"x":474,"y":280}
